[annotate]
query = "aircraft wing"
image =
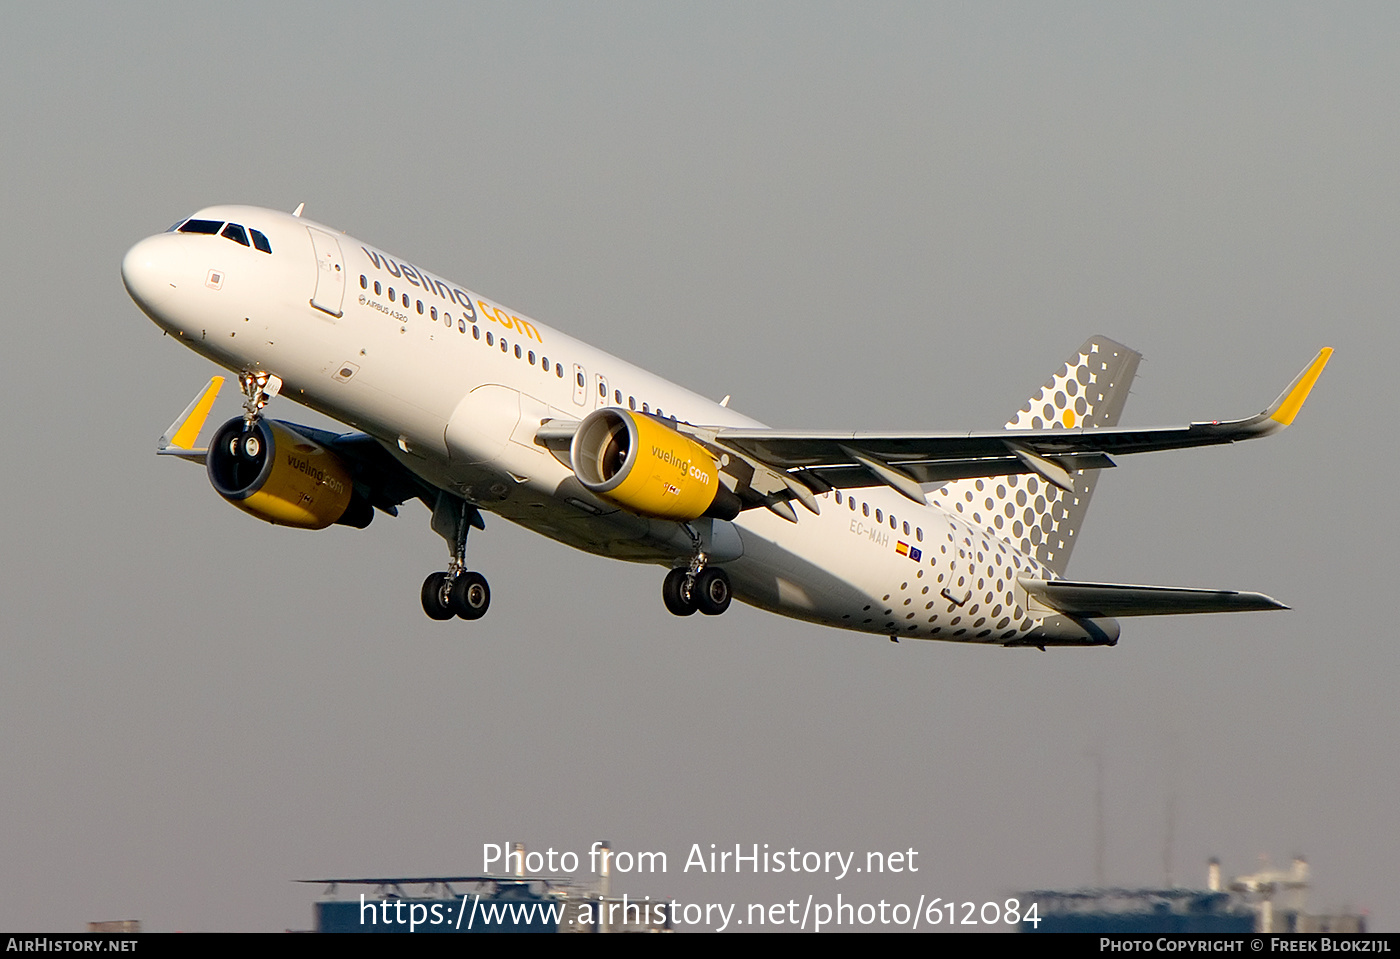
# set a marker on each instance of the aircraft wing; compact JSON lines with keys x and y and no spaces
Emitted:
{"x":906,"y":461}
{"x":384,"y":482}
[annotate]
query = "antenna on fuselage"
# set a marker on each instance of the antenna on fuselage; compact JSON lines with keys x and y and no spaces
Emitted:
{"x":297,"y":211}
{"x":725,"y":402}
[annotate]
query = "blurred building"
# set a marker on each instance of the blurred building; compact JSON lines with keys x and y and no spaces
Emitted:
{"x":1270,"y":900}
{"x":505,"y":903}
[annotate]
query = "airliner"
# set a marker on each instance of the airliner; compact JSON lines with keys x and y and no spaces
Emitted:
{"x":469,"y":407}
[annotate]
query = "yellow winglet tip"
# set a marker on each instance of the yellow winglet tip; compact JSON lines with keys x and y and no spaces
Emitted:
{"x":1292,"y":402}
{"x":188,"y":432}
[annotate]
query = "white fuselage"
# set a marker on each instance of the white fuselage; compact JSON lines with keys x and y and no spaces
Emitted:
{"x":455,"y":385}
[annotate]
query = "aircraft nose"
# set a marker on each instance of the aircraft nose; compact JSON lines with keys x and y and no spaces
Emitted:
{"x":151,"y":271}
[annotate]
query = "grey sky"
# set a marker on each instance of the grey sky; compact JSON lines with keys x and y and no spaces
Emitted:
{"x":897,"y":216}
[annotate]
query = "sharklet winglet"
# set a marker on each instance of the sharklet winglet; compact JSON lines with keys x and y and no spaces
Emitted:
{"x":180,"y":437}
{"x":1286,"y":407}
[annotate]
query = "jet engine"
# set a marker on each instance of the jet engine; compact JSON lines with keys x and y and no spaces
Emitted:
{"x":642,"y":464}
{"x":274,"y":473}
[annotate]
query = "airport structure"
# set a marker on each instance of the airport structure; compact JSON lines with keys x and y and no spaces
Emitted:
{"x":1267,"y":901}
{"x":490,"y":903}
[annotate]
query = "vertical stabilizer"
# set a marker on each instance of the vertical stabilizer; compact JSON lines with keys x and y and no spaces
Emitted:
{"x":1036,"y":517}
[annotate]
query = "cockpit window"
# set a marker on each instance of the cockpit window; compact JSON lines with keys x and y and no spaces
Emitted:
{"x":209,"y":227}
{"x":232,"y":231}
{"x":235,"y":233}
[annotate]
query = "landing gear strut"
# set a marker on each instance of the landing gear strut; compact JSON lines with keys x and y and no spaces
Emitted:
{"x":258,"y":390}
{"x":697,"y":586}
{"x":459,"y":591}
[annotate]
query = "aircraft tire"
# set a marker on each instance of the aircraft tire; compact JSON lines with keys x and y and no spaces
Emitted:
{"x":436,"y":602}
{"x":712,"y":593}
{"x":673,"y":593}
{"x":470,"y":596}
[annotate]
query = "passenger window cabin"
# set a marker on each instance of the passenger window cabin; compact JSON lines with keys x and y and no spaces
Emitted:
{"x":235,"y":232}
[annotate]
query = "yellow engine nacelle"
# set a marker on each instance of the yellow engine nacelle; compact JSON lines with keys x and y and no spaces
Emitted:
{"x":278,"y":475}
{"x":644,"y":465}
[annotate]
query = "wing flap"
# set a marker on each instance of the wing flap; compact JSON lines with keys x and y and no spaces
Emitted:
{"x":856,"y":476}
{"x":1113,"y":599}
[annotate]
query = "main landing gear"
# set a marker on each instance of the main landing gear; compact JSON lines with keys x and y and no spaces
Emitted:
{"x":459,"y":591}
{"x":465,"y":594}
{"x":697,"y":586}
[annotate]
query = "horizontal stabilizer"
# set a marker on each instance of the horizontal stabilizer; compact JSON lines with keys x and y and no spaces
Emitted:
{"x":1113,"y":599}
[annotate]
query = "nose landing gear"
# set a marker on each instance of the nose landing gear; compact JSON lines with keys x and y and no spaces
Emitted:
{"x":258,"y":389}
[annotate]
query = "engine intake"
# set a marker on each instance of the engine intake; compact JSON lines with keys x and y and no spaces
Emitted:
{"x":274,"y":473}
{"x":642,"y":464}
